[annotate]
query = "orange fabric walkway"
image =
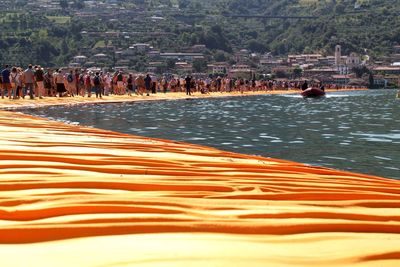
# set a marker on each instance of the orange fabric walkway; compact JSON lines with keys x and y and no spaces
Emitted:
{"x":76,"y":196}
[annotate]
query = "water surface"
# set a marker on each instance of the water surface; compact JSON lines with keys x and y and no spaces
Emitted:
{"x":354,"y":131}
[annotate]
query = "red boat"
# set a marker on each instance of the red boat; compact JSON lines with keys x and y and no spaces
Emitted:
{"x":313,"y":92}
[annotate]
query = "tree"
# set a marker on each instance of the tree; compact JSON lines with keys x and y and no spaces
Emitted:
{"x":220,"y":56}
{"x":170,"y":63}
{"x":281,"y":74}
{"x":44,"y":52}
{"x":64,"y":4}
{"x":183,"y":4}
{"x":360,"y":71}
{"x":297,"y":72}
{"x":200,"y":65}
{"x":256,"y":46}
{"x":78,"y":4}
{"x":64,"y":47}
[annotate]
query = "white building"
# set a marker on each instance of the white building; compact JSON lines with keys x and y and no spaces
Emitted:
{"x":338,"y":55}
{"x":182,"y":56}
{"x":140,"y":47}
{"x":221,"y":67}
{"x":80,"y":59}
{"x":353,"y":60}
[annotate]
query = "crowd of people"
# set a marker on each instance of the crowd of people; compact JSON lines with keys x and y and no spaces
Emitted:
{"x":35,"y":81}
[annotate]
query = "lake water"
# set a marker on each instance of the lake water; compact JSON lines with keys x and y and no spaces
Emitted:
{"x":354,"y":131}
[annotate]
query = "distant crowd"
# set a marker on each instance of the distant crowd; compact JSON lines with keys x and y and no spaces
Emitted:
{"x":34,"y":81}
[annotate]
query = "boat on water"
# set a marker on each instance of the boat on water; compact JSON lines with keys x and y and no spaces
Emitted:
{"x":312,"y":92}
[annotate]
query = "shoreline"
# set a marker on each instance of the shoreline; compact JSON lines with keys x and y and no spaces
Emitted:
{"x":94,"y":197}
{"x":15,"y":104}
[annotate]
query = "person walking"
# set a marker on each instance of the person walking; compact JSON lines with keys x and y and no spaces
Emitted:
{"x":164,"y":84}
{"x":139,"y":82}
{"x":153,"y":84}
{"x":5,"y":75}
{"x":188,"y":82}
{"x":39,"y":78}
{"x":147,"y":84}
{"x":59,"y":81}
{"x":48,"y":83}
{"x":97,"y":85}
{"x":130,"y":84}
{"x":14,"y":78}
{"x":120,"y":83}
{"x":29,"y":79}
{"x":70,"y":83}
{"x":304,"y":86}
{"x":88,"y":84}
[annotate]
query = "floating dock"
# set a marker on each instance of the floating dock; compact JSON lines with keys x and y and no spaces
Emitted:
{"x":78,"y":196}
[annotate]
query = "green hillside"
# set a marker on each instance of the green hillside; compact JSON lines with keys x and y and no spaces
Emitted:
{"x":52,"y":37}
{"x":356,"y":25}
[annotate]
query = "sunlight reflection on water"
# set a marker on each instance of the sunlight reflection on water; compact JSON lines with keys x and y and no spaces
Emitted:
{"x":355,"y":131}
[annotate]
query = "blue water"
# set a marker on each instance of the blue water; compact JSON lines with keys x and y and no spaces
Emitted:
{"x":355,"y":131}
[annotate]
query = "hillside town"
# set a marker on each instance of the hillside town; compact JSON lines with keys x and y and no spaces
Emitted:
{"x":136,"y":41}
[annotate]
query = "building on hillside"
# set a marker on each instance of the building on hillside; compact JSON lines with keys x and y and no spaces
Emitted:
{"x":112,"y":34}
{"x":156,"y":67}
{"x":74,"y":65}
{"x":387,"y":70}
{"x":127,"y":52}
{"x":338,"y":55}
{"x":90,"y":64}
{"x":100,"y":59}
{"x":353,"y":60}
{"x":341,"y":79}
{"x":343,"y":69}
{"x":184,"y":67}
{"x":242,"y":56}
{"x":153,"y":54}
{"x":140,"y":47}
{"x":198,"y":48}
{"x":269,"y":63}
{"x":380,"y":81}
{"x":182,"y":56}
{"x":241,"y":71}
{"x":107,"y":49}
{"x":122,"y":62}
{"x":151,"y":69}
{"x":79,"y":59}
{"x":281,"y":71}
{"x":304,"y":58}
{"x":395,"y":56}
{"x":319,"y":72}
{"x":396,"y":49}
{"x":327,"y":61}
{"x":218,"y":68}
{"x":121,"y":68}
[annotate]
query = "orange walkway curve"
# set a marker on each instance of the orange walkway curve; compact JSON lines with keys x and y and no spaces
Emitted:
{"x":76,"y":196}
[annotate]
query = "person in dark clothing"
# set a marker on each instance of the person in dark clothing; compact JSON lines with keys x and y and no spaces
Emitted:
{"x":188,"y":81}
{"x":153,"y":87}
{"x":77,"y":83}
{"x":97,"y":85}
{"x":304,"y":86}
{"x":219,"y":83}
{"x":147,"y":83}
{"x":5,"y":75}
{"x":130,"y":84}
{"x":39,"y":78}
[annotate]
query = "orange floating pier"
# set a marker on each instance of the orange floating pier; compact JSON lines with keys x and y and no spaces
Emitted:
{"x":77,"y":196}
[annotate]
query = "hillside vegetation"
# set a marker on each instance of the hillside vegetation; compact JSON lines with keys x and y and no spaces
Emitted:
{"x":51,"y":38}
